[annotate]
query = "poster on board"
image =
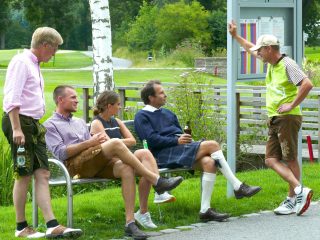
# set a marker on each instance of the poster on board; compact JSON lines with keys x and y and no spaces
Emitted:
{"x":251,"y":29}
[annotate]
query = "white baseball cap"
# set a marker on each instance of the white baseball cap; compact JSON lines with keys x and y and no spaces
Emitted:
{"x":265,"y":40}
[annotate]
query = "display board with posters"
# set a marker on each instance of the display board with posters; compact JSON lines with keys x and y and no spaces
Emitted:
{"x":258,"y":17}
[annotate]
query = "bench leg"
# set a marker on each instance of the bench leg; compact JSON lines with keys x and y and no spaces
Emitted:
{"x":70,"y":205}
{"x":34,"y":205}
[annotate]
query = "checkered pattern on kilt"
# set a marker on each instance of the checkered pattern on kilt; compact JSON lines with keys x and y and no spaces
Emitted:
{"x":182,"y":155}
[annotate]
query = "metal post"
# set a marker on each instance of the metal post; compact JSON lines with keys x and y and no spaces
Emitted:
{"x":231,"y":95}
{"x":122,"y":94}
{"x":85,"y":96}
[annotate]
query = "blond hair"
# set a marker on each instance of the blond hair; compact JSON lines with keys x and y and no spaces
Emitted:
{"x":45,"y":35}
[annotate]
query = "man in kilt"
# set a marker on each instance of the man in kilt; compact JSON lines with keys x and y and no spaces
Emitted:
{"x":172,"y":148}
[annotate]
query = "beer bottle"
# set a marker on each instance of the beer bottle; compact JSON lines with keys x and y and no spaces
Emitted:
{"x":187,"y":128}
{"x":21,"y":157}
{"x":145,"y":144}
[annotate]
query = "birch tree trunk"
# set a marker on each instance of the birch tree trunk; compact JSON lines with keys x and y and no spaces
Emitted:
{"x":101,"y":46}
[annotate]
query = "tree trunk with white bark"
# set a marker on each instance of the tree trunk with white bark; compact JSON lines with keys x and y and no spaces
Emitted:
{"x":101,"y":46}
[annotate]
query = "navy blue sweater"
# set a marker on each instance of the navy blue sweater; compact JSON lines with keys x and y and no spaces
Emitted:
{"x":159,"y":128}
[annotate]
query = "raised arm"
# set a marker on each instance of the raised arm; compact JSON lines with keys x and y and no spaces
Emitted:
{"x":243,"y":42}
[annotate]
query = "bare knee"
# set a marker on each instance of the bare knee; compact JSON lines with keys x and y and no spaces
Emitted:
{"x":211,"y":146}
{"x":269,"y":162}
{"x":207,"y":164}
{"x":117,"y":145}
{"x":141,"y":152}
{"x":42,"y":175}
{"x":125,"y":171}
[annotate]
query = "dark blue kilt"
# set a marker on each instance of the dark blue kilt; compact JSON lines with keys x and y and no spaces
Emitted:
{"x":182,"y":155}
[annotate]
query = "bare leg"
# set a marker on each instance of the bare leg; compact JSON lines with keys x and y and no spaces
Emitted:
{"x":285,"y":172}
{"x":147,"y":160}
{"x":295,"y":168}
{"x":116,"y":148}
{"x":20,"y":189}
{"x":43,"y":194}
{"x":128,"y":184}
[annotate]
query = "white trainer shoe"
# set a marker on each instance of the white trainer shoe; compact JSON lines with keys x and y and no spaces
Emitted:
{"x":163,"y":198}
{"x":63,"y":232}
{"x":144,"y":220}
{"x":29,"y":232}
{"x":286,"y":207}
{"x":303,"y":200}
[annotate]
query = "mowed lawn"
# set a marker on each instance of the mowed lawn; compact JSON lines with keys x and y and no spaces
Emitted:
{"x":101,"y":213}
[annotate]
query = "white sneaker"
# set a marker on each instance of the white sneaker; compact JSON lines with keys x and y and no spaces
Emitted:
{"x":29,"y":232}
{"x":303,"y":200}
{"x":63,"y":232}
{"x":286,"y":207}
{"x":144,"y":220}
{"x":163,"y":198}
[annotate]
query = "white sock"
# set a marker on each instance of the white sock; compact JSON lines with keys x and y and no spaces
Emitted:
{"x":298,"y":189}
{"x":225,"y":169}
{"x":207,"y":183}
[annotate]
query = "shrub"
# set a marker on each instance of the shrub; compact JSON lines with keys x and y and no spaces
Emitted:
{"x":178,"y":21}
{"x":186,"y":52}
{"x":6,"y":173}
{"x":189,"y":100}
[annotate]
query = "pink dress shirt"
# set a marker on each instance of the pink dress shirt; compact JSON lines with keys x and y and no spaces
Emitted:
{"x":24,"y":86}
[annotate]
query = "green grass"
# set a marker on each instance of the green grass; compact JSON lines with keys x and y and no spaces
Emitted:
{"x":312,"y":53}
{"x":72,"y":59}
{"x":101,"y":214}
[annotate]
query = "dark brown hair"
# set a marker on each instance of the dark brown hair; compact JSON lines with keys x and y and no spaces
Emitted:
{"x":105,"y":98}
{"x":148,"y":90}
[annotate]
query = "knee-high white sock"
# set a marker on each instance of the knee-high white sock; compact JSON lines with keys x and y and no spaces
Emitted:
{"x":207,"y":182}
{"x":225,"y":169}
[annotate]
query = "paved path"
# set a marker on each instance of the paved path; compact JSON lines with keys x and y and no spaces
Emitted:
{"x":262,"y":226}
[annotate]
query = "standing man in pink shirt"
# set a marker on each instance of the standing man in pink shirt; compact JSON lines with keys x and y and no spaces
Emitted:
{"x":23,"y":106}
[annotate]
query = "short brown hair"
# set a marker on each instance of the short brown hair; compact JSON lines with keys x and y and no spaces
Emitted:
{"x":148,"y":90}
{"x":59,"y":91}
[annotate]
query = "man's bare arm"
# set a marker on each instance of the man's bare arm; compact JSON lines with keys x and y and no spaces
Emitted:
{"x":243,"y":42}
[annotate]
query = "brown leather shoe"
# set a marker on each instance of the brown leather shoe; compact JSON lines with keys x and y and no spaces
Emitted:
{"x":213,"y":215}
{"x":246,"y":191}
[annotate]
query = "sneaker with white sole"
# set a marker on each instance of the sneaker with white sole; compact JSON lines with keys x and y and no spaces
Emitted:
{"x":144,"y":220}
{"x":303,"y":200}
{"x":29,"y":232}
{"x":286,"y":207}
{"x":63,"y":232}
{"x":163,"y":198}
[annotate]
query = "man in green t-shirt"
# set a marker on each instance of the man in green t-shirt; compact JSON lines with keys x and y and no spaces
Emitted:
{"x":287,"y":86}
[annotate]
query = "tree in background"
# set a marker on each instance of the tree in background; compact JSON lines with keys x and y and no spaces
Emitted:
{"x":143,"y":33}
{"x":4,"y":21}
{"x":102,"y":48}
{"x":122,"y":13}
{"x":179,"y":21}
{"x":217,"y":25}
{"x":311,"y":21}
{"x":59,"y":14}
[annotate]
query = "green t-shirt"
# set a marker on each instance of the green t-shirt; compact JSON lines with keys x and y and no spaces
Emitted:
{"x":282,"y":80}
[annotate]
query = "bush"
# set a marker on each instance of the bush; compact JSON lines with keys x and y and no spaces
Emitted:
{"x":186,"y":52}
{"x":189,"y":101}
{"x":312,"y":69}
{"x":6,"y":173}
{"x":179,"y":21}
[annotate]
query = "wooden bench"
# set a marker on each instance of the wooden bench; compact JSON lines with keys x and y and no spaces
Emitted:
{"x":59,"y":176}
